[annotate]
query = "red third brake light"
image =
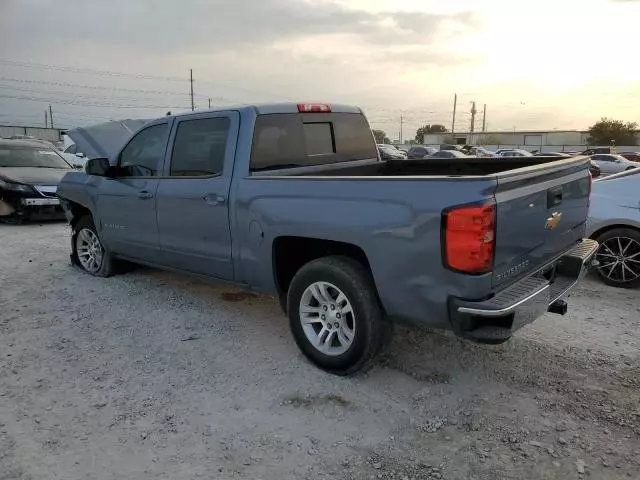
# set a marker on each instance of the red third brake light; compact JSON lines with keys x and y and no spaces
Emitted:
{"x":470,"y":238}
{"x":314,"y":108}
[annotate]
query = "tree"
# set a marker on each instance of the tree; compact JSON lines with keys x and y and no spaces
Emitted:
{"x":608,"y":130}
{"x":422,"y":131}
{"x":380,"y":136}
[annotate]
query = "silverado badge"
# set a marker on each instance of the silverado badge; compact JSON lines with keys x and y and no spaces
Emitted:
{"x":553,"y":220}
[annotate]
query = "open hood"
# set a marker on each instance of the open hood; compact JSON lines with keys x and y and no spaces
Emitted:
{"x":104,"y":139}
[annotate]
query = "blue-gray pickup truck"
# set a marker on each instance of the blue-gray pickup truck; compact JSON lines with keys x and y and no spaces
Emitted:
{"x":293,"y":199}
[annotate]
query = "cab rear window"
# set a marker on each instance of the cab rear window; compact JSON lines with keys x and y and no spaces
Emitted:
{"x":301,"y":140}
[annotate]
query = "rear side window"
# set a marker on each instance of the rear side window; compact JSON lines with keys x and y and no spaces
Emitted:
{"x":200,"y":147}
{"x":300,"y":140}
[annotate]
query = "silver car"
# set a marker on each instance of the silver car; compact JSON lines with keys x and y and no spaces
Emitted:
{"x":614,"y":221}
{"x":610,"y":163}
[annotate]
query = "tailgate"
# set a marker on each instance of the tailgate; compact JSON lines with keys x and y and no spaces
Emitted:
{"x":541,"y":212}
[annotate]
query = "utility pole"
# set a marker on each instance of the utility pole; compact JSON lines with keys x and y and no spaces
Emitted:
{"x":50,"y":116}
{"x":401,"y":120}
{"x":484,"y":118}
{"x":193,"y":107}
{"x":473,"y":121}
{"x":209,"y":102}
{"x":46,"y":119}
{"x":453,"y":122}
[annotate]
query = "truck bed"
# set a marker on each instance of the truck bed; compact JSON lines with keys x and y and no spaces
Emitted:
{"x":471,"y":166}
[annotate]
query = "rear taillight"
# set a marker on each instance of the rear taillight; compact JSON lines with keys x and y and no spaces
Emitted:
{"x":469,"y":238}
{"x":314,"y":108}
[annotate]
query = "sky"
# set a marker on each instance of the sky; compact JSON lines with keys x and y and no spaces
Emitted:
{"x":549,"y":64}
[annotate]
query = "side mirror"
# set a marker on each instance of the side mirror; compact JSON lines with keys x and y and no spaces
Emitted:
{"x":98,"y":167}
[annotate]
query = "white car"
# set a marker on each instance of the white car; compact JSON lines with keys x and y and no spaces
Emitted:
{"x":73,"y":157}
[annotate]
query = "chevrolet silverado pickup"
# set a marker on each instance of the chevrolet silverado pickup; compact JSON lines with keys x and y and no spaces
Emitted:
{"x":294,"y":200}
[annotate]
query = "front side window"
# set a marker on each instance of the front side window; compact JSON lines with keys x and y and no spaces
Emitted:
{"x":200,"y":146}
{"x":144,"y":153}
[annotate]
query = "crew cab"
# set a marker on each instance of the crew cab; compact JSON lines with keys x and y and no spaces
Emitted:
{"x":293,"y":199}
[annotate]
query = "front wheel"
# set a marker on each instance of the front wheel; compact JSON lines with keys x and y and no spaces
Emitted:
{"x":619,"y":257}
{"x":88,"y":249}
{"x":335,"y":316}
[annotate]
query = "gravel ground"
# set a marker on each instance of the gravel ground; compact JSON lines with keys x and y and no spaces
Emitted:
{"x":149,"y":375}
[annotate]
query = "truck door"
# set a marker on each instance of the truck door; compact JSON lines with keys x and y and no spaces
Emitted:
{"x":193,"y":194}
{"x":126,"y":204}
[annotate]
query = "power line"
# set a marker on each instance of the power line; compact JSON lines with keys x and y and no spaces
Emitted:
{"x":75,"y":95}
{"x":88,"y":104}
{"x":95,"y":87}
{"x":88,"y":71}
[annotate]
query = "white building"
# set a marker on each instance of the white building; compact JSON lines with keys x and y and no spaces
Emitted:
{"x":550,"y":141}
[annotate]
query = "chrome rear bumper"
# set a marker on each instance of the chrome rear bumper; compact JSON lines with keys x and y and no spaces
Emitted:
{"x":495,"y":319}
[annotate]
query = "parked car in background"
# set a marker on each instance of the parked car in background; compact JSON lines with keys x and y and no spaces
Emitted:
{"x":599,"y":150}
{"x":387,"y":152}
{"x":478,"y":151}
{"x":594,"y":168}
{"x":610,"y":163}
{"x":447,"y":154}
{"x":631,"y":156}
{"x":420,"y":151}
{"x":449,"y":146}
{"x":516,"y":152}
{"x":614,"y":221}
{"x":551,"y":154}
{"x":29,"y":176}
{"x":73,"y":157}
{"x":233,"y":194}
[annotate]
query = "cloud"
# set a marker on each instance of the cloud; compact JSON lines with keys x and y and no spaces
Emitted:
{"x":210,"y":26}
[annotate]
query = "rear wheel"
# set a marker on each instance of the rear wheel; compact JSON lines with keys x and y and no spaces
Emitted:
{"x":619,"y":257}
{"x":335,"y":316}
{"x":88,"y":249}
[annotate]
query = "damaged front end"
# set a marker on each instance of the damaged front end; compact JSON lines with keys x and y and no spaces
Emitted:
{"x":20,"y":202}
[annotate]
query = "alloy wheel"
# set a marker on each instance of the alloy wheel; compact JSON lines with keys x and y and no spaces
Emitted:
{"x":327,"y":318}
{"x":89,"y":250}
{"x":619,"y":259}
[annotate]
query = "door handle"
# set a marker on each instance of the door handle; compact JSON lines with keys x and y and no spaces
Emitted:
{"x":144,"y":195}
{"x":554,"y":197}
{"x":214,"y":199}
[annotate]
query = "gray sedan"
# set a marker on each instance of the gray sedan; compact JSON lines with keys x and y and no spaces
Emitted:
{"x":610,"y":163}
{"x":614,"y":221}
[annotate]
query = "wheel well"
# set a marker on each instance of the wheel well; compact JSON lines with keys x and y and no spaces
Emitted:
{"x":291,"y":253}
{"x":608,"y":228}
{"x":78,"y":212}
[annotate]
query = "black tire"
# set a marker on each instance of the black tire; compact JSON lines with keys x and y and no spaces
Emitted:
{"x":107,"y":265}
{"x":604,"y":256}
{"x":369,"y":324}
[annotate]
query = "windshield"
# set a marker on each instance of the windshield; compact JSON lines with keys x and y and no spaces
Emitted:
{"x":21,"y":156}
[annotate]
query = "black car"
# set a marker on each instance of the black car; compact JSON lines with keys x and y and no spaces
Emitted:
{"x":29,"y":177}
